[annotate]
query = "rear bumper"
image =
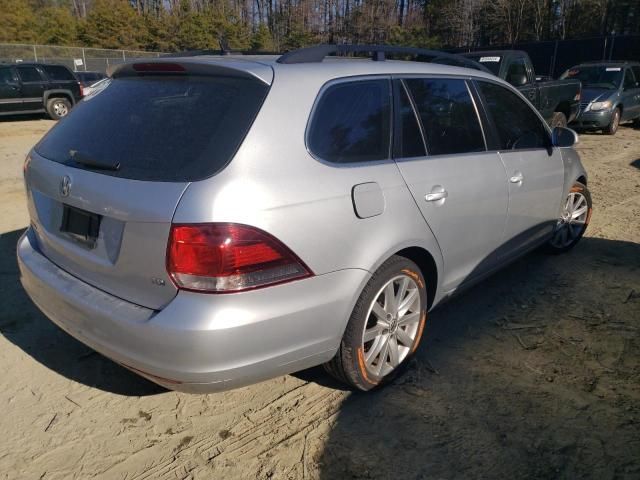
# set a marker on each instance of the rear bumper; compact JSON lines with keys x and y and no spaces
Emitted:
{"x":200,"y":343}
{"x":592,"y":120}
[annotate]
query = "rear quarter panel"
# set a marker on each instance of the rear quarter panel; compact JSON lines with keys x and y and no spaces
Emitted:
{"x":275,"y":184}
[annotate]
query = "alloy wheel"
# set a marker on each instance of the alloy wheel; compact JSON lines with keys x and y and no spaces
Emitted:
{"x":572,"y":221}
{"x":392,"y":325}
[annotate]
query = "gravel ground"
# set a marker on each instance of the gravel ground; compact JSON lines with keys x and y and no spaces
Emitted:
{"x":534,"y":373}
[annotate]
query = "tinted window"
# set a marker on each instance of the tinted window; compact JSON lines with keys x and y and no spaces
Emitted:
{"x":56,"y":72}
{"x":165,"y":129}
{"x":448,"y":115}
{"x":517,"y":72}
{"x":29,"y":74}
{"x":629,"y":81}
{"x":410,"y":143}
{"x":517,"y":125}
{"x":6,"y":76}
{"x":351,"y":122}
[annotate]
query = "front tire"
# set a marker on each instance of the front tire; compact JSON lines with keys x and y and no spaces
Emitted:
{"x":612,"y":128}
{"x":573,"y":221}
{"x":558,"y":119}
{"x":58,"y":107}
{"x":385,"y":327}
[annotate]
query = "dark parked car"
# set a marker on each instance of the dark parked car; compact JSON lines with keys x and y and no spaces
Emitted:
{"x":557,"y":100}
{"x":89,"y":78}
{"x":35,"y":87}
{"x":610,"y":95}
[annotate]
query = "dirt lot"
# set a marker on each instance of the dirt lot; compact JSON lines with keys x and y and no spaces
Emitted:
{"x":533,"y":374}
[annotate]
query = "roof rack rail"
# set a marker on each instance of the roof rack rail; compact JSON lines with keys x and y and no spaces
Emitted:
{"x":317,"y":53}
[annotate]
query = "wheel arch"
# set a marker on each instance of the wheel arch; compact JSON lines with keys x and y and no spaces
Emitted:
{"x":563,"y":107}
{"x":428,"y":267}
{"x":58,"y":94}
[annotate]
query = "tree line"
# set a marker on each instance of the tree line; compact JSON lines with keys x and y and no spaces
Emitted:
{"x":277,"y":25}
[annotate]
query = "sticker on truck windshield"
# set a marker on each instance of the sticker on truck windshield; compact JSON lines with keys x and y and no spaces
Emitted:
{"x":614,"y":69}
{"x":489,"y":59}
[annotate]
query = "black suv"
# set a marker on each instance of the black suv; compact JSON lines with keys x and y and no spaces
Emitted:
{"x":37,"y":87}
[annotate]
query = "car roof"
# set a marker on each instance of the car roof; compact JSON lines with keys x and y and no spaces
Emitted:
{"x":501,"y":53}
{"x":330,"y":68}
{"x":607,"y":63}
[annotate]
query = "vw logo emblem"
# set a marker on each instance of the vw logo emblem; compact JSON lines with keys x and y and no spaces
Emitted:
{"x":65,"y":186}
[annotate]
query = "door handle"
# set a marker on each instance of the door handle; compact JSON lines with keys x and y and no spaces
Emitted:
{"x":435,"y":196}
{"x":517,"y":178}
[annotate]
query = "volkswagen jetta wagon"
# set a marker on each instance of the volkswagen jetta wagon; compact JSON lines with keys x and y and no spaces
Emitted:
{"x":213,"y":221}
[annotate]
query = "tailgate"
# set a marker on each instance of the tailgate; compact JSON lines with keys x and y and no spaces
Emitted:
{"x":127,"y":259}
{"x":104,"y":183}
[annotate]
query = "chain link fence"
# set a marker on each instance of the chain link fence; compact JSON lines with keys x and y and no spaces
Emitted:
{"x":76,"y":58}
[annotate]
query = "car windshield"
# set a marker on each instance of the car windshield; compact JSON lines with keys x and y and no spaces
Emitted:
{"x":492,"y":62}
{"x":597,"y":76}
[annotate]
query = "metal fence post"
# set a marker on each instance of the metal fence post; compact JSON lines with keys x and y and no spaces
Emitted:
{"x":84,"y":60}
{"x":35,"y":54}
{"x":124,"y":58}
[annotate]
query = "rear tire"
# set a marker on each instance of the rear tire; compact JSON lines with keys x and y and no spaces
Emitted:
{"x":558,"y":119}
{"x":58,"y":107}
{"x":385,"y":329}
{"x":573,"y":221}
{"x":612,"y":128}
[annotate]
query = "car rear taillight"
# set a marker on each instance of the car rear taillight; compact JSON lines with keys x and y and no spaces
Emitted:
{"x":81,"y":89}
{"x":228,"y":257}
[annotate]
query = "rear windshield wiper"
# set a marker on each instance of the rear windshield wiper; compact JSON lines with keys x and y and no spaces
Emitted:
{"x":92,"y":163}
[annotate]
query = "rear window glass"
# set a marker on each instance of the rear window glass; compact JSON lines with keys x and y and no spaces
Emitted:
{"x":352,"y":122}
{"x":56,"y":72}
{"x":448,"y":115}
{"x":492,"y":62}
{"x":172,"y":129}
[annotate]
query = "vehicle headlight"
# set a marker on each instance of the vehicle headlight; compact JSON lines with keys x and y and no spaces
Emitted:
{"x":595,"y":106}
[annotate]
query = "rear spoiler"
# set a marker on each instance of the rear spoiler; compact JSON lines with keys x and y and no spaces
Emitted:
{"x":223,"y":67}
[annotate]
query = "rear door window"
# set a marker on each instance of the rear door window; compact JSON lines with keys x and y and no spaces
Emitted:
{"x":517,"y":125}
{"x":409,"y":141}
{"x":448,"y":115}
{"x":352,"y":122}
{"x":29,"y":74}
{"x":57,"y":72}
{"x":172,"y":129}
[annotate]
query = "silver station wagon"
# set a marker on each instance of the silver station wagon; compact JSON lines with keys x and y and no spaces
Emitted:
{"x":213,"y":221}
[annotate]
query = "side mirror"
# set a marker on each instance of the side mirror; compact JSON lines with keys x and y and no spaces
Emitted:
{"x":564,"y":137}
{"x":518,"y":79}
